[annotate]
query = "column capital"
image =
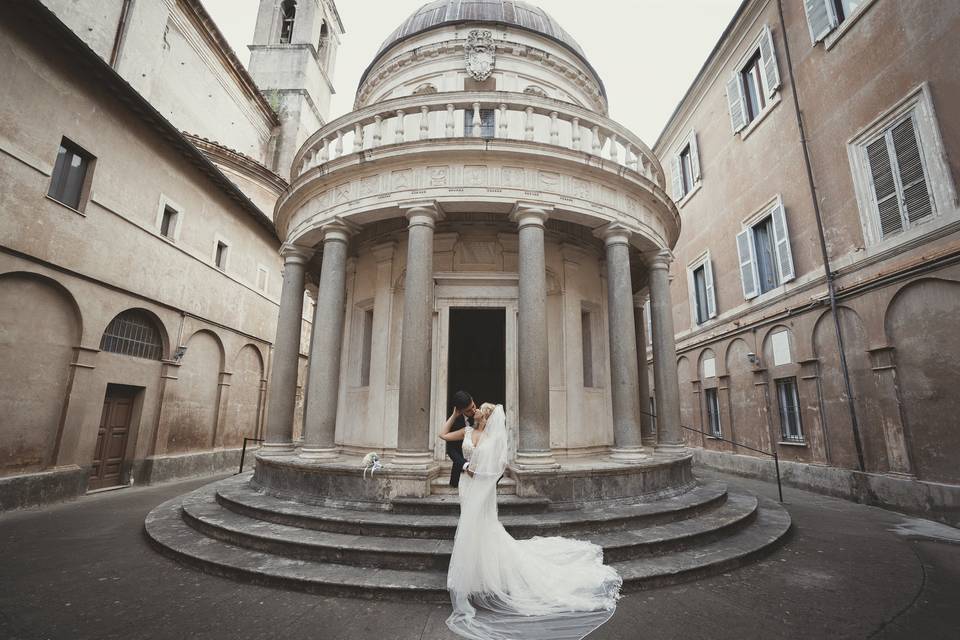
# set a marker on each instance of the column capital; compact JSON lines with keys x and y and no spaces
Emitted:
{"x":294,"y":254}
{"x":530,"y":213}
{"x":661,"y":259}
{"x":338,"y":230}
{"x":640,"y":298}
{"x":422,"y":212}
{"x":614,"y":233}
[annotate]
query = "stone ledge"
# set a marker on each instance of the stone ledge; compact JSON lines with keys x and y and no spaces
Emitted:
{"x":42,"y":487}
{"x":936,"y":501}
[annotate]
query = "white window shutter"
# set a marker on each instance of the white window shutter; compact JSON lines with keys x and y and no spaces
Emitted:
{"x":781,"y":242}
{"x":676,"y":178}
{"x":768,"y":57}
{"x":748,"y":264}
{"x":695,"y":156}
{"x":915,"y":197}
{"x":821,"y":18}
{"x":884,"y":187}
{"x":738,"y":117}
{"x":711,"y":290}
{"x":692,"y":297}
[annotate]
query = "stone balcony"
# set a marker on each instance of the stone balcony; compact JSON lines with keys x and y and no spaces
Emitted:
{"x":477,"y":152}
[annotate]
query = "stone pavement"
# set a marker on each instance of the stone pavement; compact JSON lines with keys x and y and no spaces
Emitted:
{"x":84,"y":570}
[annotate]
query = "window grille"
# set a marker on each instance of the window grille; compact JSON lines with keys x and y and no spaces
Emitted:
{"x":133,"y":333}
{"x":790,"y":425}
{"x":713,"y":412}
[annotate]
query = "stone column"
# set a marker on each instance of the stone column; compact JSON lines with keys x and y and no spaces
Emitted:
{"x":624,"y":378}
{"x":532,"y":347}
{"x":416,"y":362}
{"x":666,"y":385}
{"x":323,"y":379}
{"x":648,"y":437}
{"x":286,"y":354}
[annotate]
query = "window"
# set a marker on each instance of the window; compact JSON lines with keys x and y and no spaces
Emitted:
{"x":366,"y":350}
{"x":221,"y":254}
{"x":789,"y":401}
{"x":647,"y":310}
{"x":823,"y":16}
{"x":168,"y":222}
{"x":70,"y":175}
{"x":133,"y":333}
{"x":586,"y":333}
{"x":288,"y":13}
{"x":766,"y":260}
{"x":713,"y":411}
{"x":686,"y":168}
{"x":897,"y":178}
{"x":703,"y":303}
{"x":263,"y":277}
{"x":903,"y":183}
{"x":487,"y":126}
{"x":754,"y":83}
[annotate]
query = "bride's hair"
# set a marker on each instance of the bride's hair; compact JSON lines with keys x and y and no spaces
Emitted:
{"x":483,"y":413}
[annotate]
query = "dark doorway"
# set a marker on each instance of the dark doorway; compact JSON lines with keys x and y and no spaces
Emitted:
{"x":112,"y":438}
{"x":477,"y":357}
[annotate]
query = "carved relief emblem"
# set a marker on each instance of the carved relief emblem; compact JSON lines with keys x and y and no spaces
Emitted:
{"x":479,"y":53}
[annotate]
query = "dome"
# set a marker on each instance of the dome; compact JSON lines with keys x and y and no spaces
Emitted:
{"x":512,"y":13}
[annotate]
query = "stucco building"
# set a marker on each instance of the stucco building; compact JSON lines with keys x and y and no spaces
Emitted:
{"x":814,"y":162}
{"x":139,"y":268}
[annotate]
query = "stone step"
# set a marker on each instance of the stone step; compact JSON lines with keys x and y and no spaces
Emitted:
{"x":170,"y":534}
{"x":238,"y":496}
{"x":765,"y":533}
{"x":449,"y":505}
{"x":200,"y":511}
{"x":441,"y":486}
{"x":174,"y":538}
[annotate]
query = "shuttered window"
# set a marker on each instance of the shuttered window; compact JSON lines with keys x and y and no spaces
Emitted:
{"x":791,"y":428}
{"x":766,"y":259}
{"x":823,"y":16}
{"x":754,"y":83}
{"x":702,"y":290}
{"x":69,"y":175}
{"x":898,"y":179}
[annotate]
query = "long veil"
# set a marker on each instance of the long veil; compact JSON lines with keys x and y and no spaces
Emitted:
{"x":549,"y":588}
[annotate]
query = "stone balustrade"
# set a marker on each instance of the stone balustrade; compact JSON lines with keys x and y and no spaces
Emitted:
{"x":491,"y":115}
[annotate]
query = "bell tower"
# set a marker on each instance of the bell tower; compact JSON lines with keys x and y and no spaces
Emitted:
{"x":292,"y":59}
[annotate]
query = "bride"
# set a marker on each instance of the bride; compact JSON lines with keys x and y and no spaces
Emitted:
{"x":538,"y":589}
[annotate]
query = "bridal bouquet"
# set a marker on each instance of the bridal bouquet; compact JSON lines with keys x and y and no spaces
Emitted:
{"x":371,"y":461}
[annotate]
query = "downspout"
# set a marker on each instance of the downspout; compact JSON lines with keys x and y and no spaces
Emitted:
{"x":831,"y":288}
{"x":121,"y":33}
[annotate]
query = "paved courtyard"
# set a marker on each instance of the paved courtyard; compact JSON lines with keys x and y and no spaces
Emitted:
{"x":84,"y":570}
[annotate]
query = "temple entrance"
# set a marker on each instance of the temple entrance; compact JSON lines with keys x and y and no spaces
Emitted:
{"x":477,"y":355}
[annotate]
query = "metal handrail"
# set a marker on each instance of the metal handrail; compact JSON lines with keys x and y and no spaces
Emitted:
{"x":773,"y":454}
{"x":243,"y":452}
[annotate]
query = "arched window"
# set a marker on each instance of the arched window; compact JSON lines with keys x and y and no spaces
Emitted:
{"x":133,"y":333}
{"x":288,"y":13}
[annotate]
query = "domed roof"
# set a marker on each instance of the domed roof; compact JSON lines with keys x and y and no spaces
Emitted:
{"x":513,"y":13}
{"x":508,"y":12}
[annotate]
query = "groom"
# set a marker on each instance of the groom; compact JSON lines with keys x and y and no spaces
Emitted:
{"x":464,"y":408}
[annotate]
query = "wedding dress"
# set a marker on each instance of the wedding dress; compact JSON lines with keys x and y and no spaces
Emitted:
{"x":544,"y":588}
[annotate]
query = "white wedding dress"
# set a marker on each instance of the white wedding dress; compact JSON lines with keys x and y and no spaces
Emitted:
{"x":544,"y":588}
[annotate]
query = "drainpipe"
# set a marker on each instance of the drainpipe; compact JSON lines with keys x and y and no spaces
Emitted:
{"x":121,"y":33}
{"x":831,"y":287}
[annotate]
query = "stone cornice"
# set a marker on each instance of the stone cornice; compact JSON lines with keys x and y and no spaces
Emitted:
{"x":237,"y":161}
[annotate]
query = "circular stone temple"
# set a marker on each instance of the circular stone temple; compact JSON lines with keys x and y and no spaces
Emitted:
{"x":477,"y":222}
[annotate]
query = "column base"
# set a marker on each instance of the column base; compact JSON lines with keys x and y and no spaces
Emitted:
{"x":675,"y":449}
{"x":630,"y":454}
{"x":319,"y":453}
{"x":648,"y":443}
{"x":535,"y":460}
{"x":413,"y":459}
{"x":276,"y":449}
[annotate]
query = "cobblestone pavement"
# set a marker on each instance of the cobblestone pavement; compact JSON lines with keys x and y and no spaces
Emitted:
{"x":84,"y":570}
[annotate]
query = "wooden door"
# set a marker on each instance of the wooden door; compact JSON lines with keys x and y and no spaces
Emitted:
{"x":112,"y":437}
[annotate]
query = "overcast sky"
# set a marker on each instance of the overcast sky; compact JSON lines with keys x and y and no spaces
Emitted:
{"x":646,"y":51}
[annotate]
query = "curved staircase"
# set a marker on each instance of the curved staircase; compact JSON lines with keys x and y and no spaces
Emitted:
{"x":229,"y":528}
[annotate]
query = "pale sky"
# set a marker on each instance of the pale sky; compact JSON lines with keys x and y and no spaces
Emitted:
{"x":647,"y":52}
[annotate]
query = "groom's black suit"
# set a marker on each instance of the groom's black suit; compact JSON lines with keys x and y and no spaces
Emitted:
{"x":455,"y":452}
